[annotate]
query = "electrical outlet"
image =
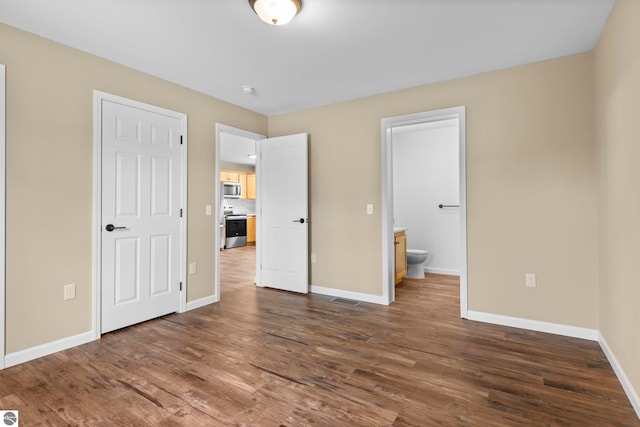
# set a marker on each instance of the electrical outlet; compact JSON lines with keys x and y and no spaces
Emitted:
{"x":530,"y":280}
{"x":193,"y":269}
{"x":69,"y":291}
{"x":207,"y":210}
{"x":369,"y":209}
{"x":314,"y":259}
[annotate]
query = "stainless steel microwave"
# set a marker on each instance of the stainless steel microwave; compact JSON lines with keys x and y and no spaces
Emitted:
{"x":231,"y":190}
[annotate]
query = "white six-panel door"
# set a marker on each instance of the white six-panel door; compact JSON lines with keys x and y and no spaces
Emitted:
{"x":141,"y":197}
{"x":284,"y":216}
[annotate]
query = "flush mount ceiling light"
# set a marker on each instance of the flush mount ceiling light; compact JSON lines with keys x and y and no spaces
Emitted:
{"x":276,"y":12}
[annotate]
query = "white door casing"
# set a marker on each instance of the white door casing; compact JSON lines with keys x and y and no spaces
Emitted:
{"x":388,"y":287}
{"x":3,"y":235}
{"x":283,"y":230}
{"x":142,"y":193}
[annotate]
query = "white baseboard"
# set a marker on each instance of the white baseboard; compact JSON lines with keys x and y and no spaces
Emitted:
{"x":534,"y":325}
{"x":622,"y":376}
{"x":192,"y":305}
{"x":357,"y":296}
{"x":46,"y":349}
{"x":446,"y":271}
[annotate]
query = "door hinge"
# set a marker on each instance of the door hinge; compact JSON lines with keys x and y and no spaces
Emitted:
{"x":180,"y":139}
{"x":180,"y":212}
{"x":181,"y":286}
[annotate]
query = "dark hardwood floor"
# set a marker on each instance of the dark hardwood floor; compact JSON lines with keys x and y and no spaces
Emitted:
{"x":262,"y":357}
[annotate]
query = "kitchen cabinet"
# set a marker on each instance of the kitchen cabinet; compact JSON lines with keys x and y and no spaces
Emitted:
{"x":242,"y":179}
{"x":400,"y":248}
{"x":229,"y":176}
{"x":251,"y":186}
{"x":247,"y":181}
{"x":251,"y":229}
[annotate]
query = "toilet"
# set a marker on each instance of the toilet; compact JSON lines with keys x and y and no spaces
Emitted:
{"x":415,"y":263}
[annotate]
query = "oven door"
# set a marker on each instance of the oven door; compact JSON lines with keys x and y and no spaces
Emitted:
{"x":236,"y":234}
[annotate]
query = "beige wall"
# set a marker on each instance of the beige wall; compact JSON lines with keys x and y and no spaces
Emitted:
{"x":531,"y":187}
{"x":617,"y":94}
{"x":530,"y":181}
{"x":49,"y":179}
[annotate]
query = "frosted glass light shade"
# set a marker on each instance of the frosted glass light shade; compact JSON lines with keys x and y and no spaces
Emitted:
{"x":276,"y":12}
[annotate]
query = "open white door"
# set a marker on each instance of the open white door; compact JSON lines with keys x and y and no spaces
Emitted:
{"x":141,"y":215}
{"x":283,"y":219}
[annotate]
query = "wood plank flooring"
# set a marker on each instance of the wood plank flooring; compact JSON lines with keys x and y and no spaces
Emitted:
{"x":262,"y":357}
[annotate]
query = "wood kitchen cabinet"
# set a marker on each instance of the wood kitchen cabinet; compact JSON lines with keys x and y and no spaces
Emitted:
{"x":242,"y":179}
{"x":247,"y":181}
{"x":251,"y":186}
{"x":229,"y":176}
{"x":400,"y":247}
{"x":251,"y":230}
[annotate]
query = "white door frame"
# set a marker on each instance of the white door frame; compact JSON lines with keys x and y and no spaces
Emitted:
{"x":388,"y":286}
{"x":3,"y":235}
{"x":220,"y":129}
{"x":98,"y":97}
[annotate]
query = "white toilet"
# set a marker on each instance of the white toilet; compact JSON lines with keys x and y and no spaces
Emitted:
{"x":415,"y":263}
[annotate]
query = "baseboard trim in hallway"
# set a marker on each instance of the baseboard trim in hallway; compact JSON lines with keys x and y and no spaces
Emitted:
{"x":632,"y":394}
{"x":201,"y":302}
{"x":534,"y":325}
{"x":46,"y":349}
{"x":568,"y":331}
{"x":331,"y":292}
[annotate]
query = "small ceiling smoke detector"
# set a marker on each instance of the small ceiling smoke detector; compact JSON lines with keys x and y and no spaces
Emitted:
{"x":247,"y":90}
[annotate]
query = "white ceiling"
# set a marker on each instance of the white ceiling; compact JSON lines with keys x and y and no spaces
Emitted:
{"x":236,"y":149}
{"x":334,"y":50}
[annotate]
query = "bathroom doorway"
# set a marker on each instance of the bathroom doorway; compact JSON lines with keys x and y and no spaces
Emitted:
{"x":424,"y":190}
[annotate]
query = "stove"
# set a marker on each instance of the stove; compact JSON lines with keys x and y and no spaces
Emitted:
{"x":235,"y":231}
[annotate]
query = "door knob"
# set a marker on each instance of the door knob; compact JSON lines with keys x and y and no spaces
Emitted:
{"x":301,"y":220}
{"x":111,"y":227}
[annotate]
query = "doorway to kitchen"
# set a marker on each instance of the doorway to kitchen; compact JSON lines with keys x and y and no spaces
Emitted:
{"x":236,"y":207}
{"x":404,"y":129}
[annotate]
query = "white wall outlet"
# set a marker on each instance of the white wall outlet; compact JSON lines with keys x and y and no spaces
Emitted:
{"x":314,"y":259}
{"x":369,"y":209}
{"x":69,"y":291}
{"x":530,"y":280}
{"x":208,"y":210}
{"x":193,"y":268}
